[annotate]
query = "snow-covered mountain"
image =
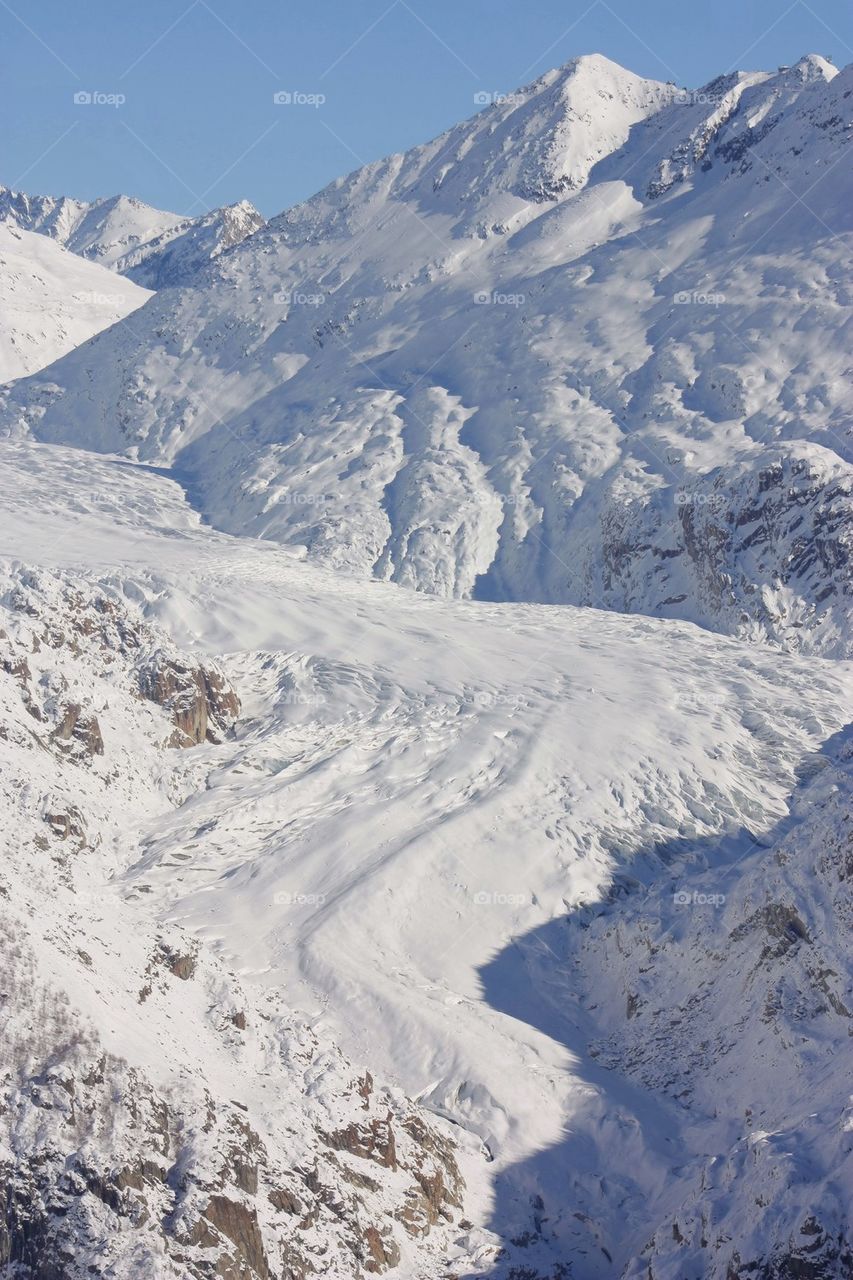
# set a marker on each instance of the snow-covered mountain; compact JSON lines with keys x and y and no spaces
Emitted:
{"x":149,"y":246}
{"x":51,"y":301}
{"x":591,"y":346}
{"x":103,"y":230}
{"x":175,"y":255}
{"x":354,"y":928}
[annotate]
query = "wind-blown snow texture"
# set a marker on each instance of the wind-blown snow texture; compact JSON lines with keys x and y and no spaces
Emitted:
{"x":590,"y":347}
{"x":407,"y":931}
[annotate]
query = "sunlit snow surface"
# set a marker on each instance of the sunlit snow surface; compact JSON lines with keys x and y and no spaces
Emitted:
{"x":576,"y":878}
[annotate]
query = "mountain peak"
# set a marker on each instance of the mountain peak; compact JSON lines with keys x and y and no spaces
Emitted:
{"x":813,"y":67}
{"x":489,"y":173}
{"x":594,"y":66}
{"x":148,"y":245}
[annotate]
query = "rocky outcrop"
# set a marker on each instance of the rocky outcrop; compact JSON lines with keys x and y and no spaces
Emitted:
{"x":199,"y":700}
{"x":370,"y":1142}
{"x":238,"y":1224}
{"x":760,"y":549}
{"x":812,"y":1253}
{"x":76,"y":727}
{"x":191,"y":1185}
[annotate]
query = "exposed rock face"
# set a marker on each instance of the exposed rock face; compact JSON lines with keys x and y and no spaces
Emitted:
{"x":371,"y":1142}
{"x":197,"y":697}
{"x":77,"y":727}
{"x":167,"y":1184}
{"x":382,"y":1251}
{"x":238,"y":1224}
{"x":199,"y":700}
{"x":760,"y":549}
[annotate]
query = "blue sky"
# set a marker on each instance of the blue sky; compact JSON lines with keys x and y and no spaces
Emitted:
{"x":198,"y":125}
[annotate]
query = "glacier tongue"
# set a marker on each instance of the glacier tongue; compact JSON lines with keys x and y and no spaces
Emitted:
{"x":493,"y":851}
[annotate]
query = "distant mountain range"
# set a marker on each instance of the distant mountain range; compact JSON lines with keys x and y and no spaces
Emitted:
{"x":150,"y":247}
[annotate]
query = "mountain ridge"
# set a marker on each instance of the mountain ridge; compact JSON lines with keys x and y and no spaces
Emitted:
{"x":52,"y":300}
{"x":151,"y":247}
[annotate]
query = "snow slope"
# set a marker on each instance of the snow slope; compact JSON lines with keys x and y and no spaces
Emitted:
{"x":415,"y":795}
{"x":179,"y":252}
{"x":51,"y":301}
{"x":589,"y":347}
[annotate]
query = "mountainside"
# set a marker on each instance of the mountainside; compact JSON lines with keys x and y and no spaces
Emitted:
{"x":179,"y":252}
{"x":102,"y":230}
{"x":51,"y":301}
{"x":149,"y":246}
{"x":590,"y":347}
